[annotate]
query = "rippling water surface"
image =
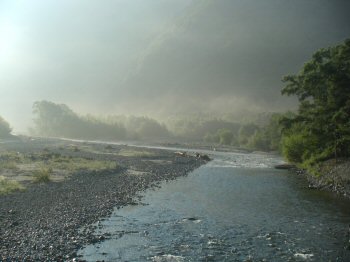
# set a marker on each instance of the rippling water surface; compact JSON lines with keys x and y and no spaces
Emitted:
{"x":235,"y":208}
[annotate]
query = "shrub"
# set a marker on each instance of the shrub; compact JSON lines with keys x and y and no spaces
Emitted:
{"x":8,"y":165}
{"x":298,"y":143}
{"x":7,"y":186}
{"x":293,"y":147}
{"x":42,"y":175}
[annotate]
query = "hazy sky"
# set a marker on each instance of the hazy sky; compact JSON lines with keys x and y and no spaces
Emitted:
{"x":158,"y":56}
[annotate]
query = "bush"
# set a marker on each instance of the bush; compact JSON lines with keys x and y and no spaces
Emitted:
{"x":299,"y":146}
{"x":293,"y":147}
{"x":42,"y":175}
{"x":7,"y":186}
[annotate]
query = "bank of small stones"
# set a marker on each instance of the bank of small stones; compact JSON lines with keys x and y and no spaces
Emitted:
{"x":52,"y":221}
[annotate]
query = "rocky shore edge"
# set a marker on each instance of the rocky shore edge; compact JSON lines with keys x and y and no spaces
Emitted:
{"x":52,"y":221}
{"x":332,"y":175}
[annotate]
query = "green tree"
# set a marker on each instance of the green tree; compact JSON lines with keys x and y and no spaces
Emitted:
{"x":245,"y":132}
{"x":273,"y":131}
{"x":148,"y":128}
{"x":5,"y":129}
{"x":323,"y":90}
{"x":211,"y":138}
{"x":259,"y":140}
{"x":226,"y":136}
{"x":59,"y":120}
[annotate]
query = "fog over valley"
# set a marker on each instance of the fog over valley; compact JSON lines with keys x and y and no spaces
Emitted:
{"x":159,"y":58}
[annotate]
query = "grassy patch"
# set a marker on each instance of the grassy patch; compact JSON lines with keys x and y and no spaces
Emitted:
{"x":7,"y":186}
{"x":8,"y":165}
{"x":135,"y":153}
{"x":10,"y":156}
{"x":95,"y":165}
{"x":42,"y":175}
{"x":75,"y":164}
{"x":41,"y":166}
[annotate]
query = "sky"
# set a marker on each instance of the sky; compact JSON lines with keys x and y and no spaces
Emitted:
{"x":158,"y":57}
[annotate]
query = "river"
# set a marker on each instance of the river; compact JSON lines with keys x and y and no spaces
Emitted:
{"x":235,"y":208}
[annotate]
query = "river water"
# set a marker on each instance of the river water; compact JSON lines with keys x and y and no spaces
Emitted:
{"x":235,"y":208}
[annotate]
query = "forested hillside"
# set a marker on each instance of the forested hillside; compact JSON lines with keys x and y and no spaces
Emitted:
{"x":58,"y":120}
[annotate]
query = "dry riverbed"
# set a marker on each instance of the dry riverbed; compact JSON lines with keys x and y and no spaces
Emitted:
{"x":52,"y":189}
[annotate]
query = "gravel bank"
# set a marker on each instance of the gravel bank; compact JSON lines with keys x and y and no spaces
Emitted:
{"x":44,"y":222}
{"x":334,"y":175}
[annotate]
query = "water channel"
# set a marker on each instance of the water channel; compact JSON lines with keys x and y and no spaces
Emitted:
{"x":235,"y":208}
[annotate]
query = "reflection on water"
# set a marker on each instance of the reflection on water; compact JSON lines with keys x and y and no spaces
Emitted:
{"x":235,"y":208}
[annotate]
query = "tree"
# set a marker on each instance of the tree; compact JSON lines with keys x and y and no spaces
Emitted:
{"x":226,"y":136}
{"x":211,"y":138}
{"x":59,"y":120}
{"x":148,"y":128}
{"x":323,"y":90}
{"x":267,"y":137}
{"x":5,"y":129}
{"x":259,"y":140}
{"x":245,"y":132}
{"x":54,"y":119}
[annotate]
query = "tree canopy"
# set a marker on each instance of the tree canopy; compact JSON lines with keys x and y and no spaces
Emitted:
{"x":58,"y":120}
{"x":321,"y":127}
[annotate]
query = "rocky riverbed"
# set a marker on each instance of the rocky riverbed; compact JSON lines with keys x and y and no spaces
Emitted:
{"x":51,"y":221}
{"x":332,"y":175}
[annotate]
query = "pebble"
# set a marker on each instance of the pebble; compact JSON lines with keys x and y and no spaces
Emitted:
{"x":49,"y":218}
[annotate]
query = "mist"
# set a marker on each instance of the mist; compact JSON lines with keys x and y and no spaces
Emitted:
{"x":158,"y":58}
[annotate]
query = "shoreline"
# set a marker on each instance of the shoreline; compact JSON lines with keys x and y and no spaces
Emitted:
{"x":52,"y":221}
{"x":333,"y":175}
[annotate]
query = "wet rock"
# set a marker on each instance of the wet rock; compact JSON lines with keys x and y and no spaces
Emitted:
{"x":312,"y":186}
{"x":179,"y":153}
{"x":203,"y":157}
